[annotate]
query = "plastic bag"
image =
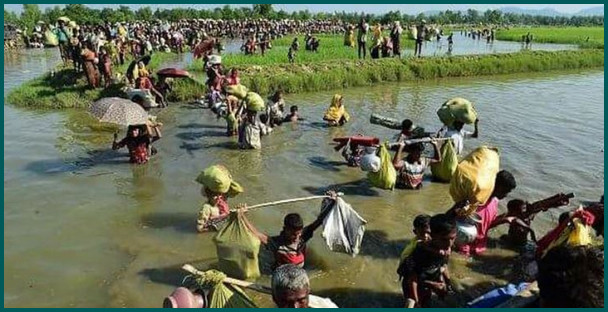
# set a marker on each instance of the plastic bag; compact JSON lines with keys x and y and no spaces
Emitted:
{"x":386,"y":177}
{"x":343,"y":228}
{"x":240,"y":91}
{"x":255,"y":102}
{"x":457,"y":109}
{"x":237,"y":249}
{"x":475,"y":176}
{"x":497,"y":296}
{"x":444,"y":170}
{"x":370,"y":163}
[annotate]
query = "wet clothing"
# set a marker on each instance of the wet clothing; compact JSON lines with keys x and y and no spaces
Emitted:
{"x":488,"y":214}
{"x":457,"y":138}
{"x":285,"y":253}
{"x":208,"y":211}
{"x":353,"y":157}
{"x":250,"y":133}
{"x":425,"y":265}
{"x":407,"y":251}
{"x":410,"y":175}
{"x":144,"y":83}
{"x":138,"y":148}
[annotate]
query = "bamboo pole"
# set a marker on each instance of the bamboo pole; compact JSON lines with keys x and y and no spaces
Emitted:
{"x":286,"y":201}
{"x":228,"y":280}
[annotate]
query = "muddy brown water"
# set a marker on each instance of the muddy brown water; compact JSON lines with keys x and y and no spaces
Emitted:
{"x":83,"y":228}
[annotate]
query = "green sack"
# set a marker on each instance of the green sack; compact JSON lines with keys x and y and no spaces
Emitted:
{"x":237,"y":249}
{"x":254,"y":102}
{"x":386,"y":177}
{"x":219,"y":180}
{"x":240,"y":91}
{"x":444,"y":170}
{"x":230,"y":297}
{"x":457,"y":109}
{"x":50,"y":39}
{"x":222,"y":295}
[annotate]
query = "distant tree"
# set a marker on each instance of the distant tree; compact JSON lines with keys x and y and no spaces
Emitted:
{"x":472,"y":16}
{"x":30,"y":16}
{"x":144,"y":14}
{"x":10,"y":17}
{"x":52,"y":14}
{"x":263,"y":10}
{"x":127,"y":13}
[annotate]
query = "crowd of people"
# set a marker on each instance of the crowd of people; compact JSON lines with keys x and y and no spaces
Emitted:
{"x":423,"y":267}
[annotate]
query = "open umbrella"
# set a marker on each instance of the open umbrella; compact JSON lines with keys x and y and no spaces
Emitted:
{"x":118,"y":111}
{"x":173,"y":73}
{"x":144,"y":59}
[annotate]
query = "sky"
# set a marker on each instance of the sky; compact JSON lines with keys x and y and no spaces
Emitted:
{"x":368,"y":8}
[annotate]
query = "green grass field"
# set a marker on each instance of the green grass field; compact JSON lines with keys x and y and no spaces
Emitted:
{"x":332,"y":48}
{"x":338,"y":74}
{"x":565,"y":35}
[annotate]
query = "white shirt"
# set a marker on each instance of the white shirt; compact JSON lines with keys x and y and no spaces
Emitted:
{"x":457,"y":138}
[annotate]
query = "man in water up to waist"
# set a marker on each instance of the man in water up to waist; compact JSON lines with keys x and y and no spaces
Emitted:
{"x":289,"y":247}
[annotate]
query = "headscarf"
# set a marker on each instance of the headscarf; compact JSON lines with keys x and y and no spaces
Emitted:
{"x":336,"y":111}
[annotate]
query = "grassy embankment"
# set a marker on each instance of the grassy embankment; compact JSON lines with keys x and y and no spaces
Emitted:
{"x":565,"y":35}
{"x":333,"y":67}
{"x":336,"y":66}
{"x":68,"y":89}
{"x":294,"y":78}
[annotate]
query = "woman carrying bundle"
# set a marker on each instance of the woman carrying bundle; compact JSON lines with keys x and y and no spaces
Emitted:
{"x":217,"y":186}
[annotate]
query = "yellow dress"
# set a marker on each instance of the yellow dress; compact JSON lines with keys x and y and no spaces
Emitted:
{"x":335,"y":111}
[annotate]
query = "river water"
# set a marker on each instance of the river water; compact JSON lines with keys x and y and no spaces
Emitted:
{"x":83,"y":228}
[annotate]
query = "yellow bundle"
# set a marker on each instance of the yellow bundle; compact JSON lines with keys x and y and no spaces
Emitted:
{"x":386,"y":177}
{"x":576,"y":234}
{"x":475,"y":176}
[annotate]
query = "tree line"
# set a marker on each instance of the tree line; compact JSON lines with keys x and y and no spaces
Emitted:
{"x":82,"y":14}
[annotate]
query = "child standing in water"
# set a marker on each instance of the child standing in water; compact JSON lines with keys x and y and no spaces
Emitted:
{"x":425,"y":270}
{"x":422,"y":230}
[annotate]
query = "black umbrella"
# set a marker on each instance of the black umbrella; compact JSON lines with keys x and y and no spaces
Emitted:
{"x":144,"y":59}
